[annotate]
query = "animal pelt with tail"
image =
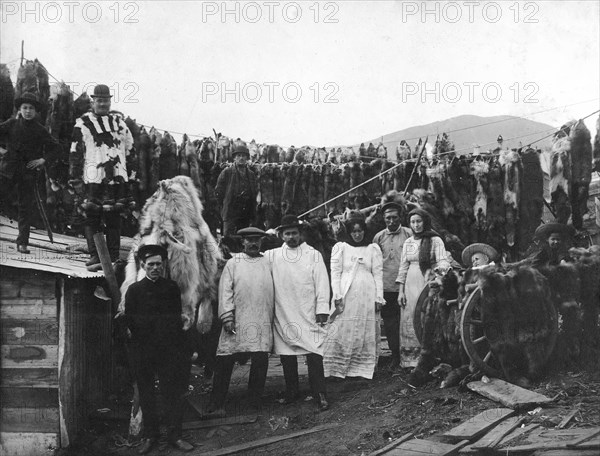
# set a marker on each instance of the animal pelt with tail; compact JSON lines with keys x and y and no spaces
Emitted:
{"x":512,"y":170}
{"x":7,"y":93}
{"x":172,"y":217}
{"x":516,"y":316}
{"x":581,"y":169}
{"x":531,"y":203}
{"x":560,"y":176}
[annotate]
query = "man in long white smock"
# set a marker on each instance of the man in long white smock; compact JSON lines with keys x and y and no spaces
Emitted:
{"x":301,"y":309}
{"x":246,"y":301}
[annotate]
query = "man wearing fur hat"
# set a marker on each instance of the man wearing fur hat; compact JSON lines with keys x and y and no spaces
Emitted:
{"x":301,"y":309}
{"x":153,"y":315}
{"x":29,"y":148}
{"x":236,"y":192}
{"x":246,"y":309}
{"x":390,"y":241}
{"x":101,"y":164}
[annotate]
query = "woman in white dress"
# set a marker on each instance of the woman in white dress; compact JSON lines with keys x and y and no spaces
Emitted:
{"x":421,"y":254}
{"x":352,"y":342}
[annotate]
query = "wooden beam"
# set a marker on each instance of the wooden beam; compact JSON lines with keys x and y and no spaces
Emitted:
{"x":238,"y":419}
{"x":107,"y":268}
{"x":29,"y":356}
{"x":495,"y":436}
{"x":507,"y":394}
{"x":568,"y":418}
{"x":478,"y":425}
{"x":29,"y":378}
{"x":269,"y":440}
{"x":392,"y":445}
{"x":419,"y":447}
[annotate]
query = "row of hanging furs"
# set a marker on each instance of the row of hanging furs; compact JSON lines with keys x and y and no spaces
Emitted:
{"x":495,"y":198}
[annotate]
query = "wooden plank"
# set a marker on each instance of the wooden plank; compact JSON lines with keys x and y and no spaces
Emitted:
{"x":238,"y":419}
{"x":584,"y":439}
{"x":32,"y":378}
{"x":29,"y":331}
{"x":508,"y":394}
{"x":493,"y":438}
{"x":519,"y":432}
{"x":566,"y":452}
{"x":568,"y":418}
{"x":16,"y":307}
{"x":28,"y":443}
{"x":392,"y":445}
{"x":478,"y":425}
{"x":419,"y":447}
{"x":262,"y":442}
{"x":28,"y":397}
{"x":558,"y":439}
{"x":29,"y":356}
{"x":30,"y":419}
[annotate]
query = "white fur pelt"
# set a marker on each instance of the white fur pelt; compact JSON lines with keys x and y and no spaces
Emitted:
{"x":512,"y":169}
{"x":172,"y":217}
{"x":480,"y":170}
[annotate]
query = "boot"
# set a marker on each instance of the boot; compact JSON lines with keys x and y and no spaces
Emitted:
{"x":322,"y":402}
{"x":113,"y":242}
{"x":89,"y":237}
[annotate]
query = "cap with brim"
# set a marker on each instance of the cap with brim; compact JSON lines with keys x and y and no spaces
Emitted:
{"x":392,"y":206}
{"x":545,"y":230}
{"x":251,"y":232}
{"x":289,"y":221}
{"x":240,"y":150}
{"x":101,"y":91}
{"x":149,"y":250}
{"x":472,"y":249}
{"x":29,"y":98}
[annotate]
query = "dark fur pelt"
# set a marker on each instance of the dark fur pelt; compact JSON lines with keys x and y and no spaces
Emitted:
{"x":596,"y":150}
{"x":515,"y":310}
{"x":496,"y":214}
{"x":581,"y":171}
{"x":168,"y":157}
{"x":531,"y":203}
{"x":32,"y":77}
{"x":81,"y":105}
{"x":7,"y":93}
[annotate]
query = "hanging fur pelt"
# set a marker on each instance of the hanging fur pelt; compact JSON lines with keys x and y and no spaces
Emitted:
{"x":7,"y":93}
{"x":172,"y":217}
{"x":32,"y":77}
{"x":596,"y":150}
{"x":512,"y":170}
{"x":560,"y":176}
{"x":581,"y":170}
{"x":496,"y":233}
{"x":531,"y":203}
{"x":479,"y":171}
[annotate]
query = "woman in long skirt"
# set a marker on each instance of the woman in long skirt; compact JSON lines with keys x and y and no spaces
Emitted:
{"x":352,"y":343}
{"x":421,"y":254}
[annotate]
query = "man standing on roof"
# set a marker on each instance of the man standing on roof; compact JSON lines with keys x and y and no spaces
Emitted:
{"x":29,"y":148}
{"x":101,"y":163}
{"x":236,"y":192}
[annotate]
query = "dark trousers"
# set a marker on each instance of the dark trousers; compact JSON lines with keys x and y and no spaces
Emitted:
{"x":316,"y":375}
{"x":390,"y":313}
{"x":24,"y":182}
{"x":93,"y":221}
{"x":243,"y":219}
{"x":173,"y":371}
{"x":224,"y":369}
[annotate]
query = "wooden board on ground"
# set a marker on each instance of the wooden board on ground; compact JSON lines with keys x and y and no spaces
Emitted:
{"x":569,"y":452}
{"x":238,"y":419}
{"x":479,"y":424}
{"x":507,"y":394}
{"x":392,"y":445}
{"x":419,"y":447}
{"x":557,"y":439}
{"x":493,"y":438}
{"x":262,"y":442}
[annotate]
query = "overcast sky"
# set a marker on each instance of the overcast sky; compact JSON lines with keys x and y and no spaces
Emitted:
{"x":318,"y":73}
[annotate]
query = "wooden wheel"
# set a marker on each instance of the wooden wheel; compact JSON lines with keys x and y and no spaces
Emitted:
{"x":419,"y":313}
{"x":475,"y":341}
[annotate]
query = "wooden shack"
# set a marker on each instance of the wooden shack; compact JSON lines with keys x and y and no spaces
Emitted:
{"x":55,"y":345}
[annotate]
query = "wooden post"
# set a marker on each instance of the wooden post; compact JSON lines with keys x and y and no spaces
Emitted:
{"x":22,"y":51}
{"x":107,"y":268}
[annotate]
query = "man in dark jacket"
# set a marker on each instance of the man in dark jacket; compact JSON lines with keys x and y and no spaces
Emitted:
{"x":236,"y":192}
{"x":29,"y":148}
{"x":153,"y":315}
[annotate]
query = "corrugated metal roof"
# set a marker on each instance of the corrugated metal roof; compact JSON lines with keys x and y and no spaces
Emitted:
{"x":67,"y":255}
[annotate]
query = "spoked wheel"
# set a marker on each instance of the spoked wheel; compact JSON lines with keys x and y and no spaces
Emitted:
{"x":473,"y":338}
{"x":476,"y":344}
{"x":419,"y":313}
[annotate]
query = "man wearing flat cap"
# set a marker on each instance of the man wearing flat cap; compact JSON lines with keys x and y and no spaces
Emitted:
{"x":153,"y":315}
{"x":29,"y":148}
{"x":390,"y":241}
{"x":101,"y":164}
{"x":236,"y":192}
{"x":301,"y":309}
{"x":246,"y":303}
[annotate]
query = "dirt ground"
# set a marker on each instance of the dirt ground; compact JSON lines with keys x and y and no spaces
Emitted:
{"x":369,"y":413}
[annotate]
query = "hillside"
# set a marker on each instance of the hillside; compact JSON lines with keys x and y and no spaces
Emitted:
{"x":507,"y":126}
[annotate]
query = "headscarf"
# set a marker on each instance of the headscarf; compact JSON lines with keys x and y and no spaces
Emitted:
{"x":349,"y":224}
{"x":425,"y":236}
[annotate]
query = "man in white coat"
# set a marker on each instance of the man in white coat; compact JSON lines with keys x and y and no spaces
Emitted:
{"x":246,"y":301}
{"x":301,"y":309}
